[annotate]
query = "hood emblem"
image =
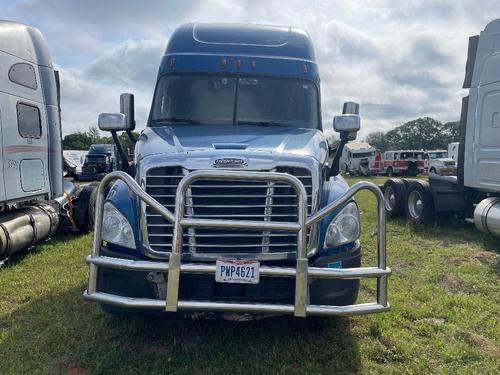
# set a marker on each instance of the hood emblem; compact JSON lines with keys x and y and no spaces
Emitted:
{"x":230,"y":163}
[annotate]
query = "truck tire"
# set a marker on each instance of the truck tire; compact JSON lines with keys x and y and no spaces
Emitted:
{"x":433,"y":170}
{"x":394,"y":194}
{"x":419,"y":206}
{"x":390,"y":172}
{"x":91,"y":206}
{"x":412,"y":169}
{"x":80,"y":208}
{"x":408,"y":181}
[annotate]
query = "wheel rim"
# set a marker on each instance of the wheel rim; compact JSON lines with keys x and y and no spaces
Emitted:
{"x":390,"y":198}
{"x":415,"y":205}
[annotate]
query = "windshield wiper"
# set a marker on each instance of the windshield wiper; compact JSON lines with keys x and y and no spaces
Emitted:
{"x":262,"y":123}
{"x":179,"y":120}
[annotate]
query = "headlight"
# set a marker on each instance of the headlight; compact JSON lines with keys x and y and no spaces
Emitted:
{"x":116,"y":228}
{"x":344,"y":228}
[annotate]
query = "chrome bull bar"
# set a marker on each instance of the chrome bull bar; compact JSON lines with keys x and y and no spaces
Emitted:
{"x":302,"y":272}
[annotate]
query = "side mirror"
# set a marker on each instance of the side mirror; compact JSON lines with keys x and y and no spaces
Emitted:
{"x":346,"y":123}
{"x":127,"y":108}
{"x":112,"y":121}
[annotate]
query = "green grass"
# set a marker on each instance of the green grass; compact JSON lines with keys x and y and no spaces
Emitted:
{"x":445,"y":294}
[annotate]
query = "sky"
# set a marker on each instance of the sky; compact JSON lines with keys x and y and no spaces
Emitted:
{"x":399,"y":59}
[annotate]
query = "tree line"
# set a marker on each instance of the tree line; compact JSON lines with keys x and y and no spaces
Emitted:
{"x":83,"y":140}
{"x":421,"y":134}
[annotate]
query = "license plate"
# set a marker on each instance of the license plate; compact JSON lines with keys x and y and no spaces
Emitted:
{"x":237,"y":271}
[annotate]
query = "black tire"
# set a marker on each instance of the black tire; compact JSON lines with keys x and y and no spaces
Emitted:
{"x":394,"y":194}
{"x":407,"y":182}
{"x":433,"y":170}
{"x":419,"y":205}
{"x":412,"y":169}
{"x":390,"y":172}
{"x":91,"y":206}
{"x":80,"y":208}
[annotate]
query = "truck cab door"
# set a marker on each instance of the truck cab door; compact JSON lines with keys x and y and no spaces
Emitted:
{"x":487,"y":137}
{"x":24,"y":130}
{"x":2,"y":183}
{"x":484,"y":120}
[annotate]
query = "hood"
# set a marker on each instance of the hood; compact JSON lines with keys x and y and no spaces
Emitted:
{"x":272,"y":139}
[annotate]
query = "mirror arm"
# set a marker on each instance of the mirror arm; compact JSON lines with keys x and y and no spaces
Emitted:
{"x":335,"y":167}
{"x":121,"y":152}
{"x":131,"y":137}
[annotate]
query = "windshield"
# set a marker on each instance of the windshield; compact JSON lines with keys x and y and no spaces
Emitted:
{"x":438,"y":155}
{"x":412,"y":155}
{"x":92,"y":159}
{"x":363,"y":154}
{"x":196,"y":99}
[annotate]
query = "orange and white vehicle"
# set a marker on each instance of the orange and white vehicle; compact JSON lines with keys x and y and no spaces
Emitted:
{"x":400,"y":162}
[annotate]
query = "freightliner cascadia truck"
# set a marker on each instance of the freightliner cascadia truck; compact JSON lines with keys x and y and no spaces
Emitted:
{"x":34,"y":198}
{"x":232,"y":204}
{"x":474,"y":193}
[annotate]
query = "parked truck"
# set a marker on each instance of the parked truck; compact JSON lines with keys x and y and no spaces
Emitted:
{"x":34,"y":199}
{"x":99,"y":161}
{"x":358,"y":159}
{"x":77,"y":157}
{"x":400,"y":162}
{"x":474,"y":193}
{"x":230,"y":205}
{"x":438,"y":162}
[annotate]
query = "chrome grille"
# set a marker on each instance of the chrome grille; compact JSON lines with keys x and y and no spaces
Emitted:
{"x":231,"y":200}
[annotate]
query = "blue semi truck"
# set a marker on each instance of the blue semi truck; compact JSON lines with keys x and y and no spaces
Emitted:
{"x":100,"y":160}
{"x":234,"y":203}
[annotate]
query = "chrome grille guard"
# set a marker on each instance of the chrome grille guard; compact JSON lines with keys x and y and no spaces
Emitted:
{"x":302,"y":272}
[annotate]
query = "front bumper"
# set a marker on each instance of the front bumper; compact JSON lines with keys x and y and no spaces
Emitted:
{"x":122,"y":281}
{"x":304,"y":274}
{"x":447,"y":171}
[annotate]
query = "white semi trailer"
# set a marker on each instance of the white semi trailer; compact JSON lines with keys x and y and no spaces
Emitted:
{"x":34,"y":199}
{"x":474,"y":193}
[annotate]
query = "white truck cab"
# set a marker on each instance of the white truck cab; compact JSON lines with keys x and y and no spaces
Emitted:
{"x":438,"y":162}
{"x":474,"y":193}
{"x":358,"y":158}
{"x":33,"y":195}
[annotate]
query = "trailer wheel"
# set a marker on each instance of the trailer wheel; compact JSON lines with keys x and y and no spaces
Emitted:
{"x":419,"y":205}
{"x":394,"y":194}
{"x":390,"y":172}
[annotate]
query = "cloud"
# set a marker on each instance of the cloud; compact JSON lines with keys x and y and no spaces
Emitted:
{"x":399,"y":60}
